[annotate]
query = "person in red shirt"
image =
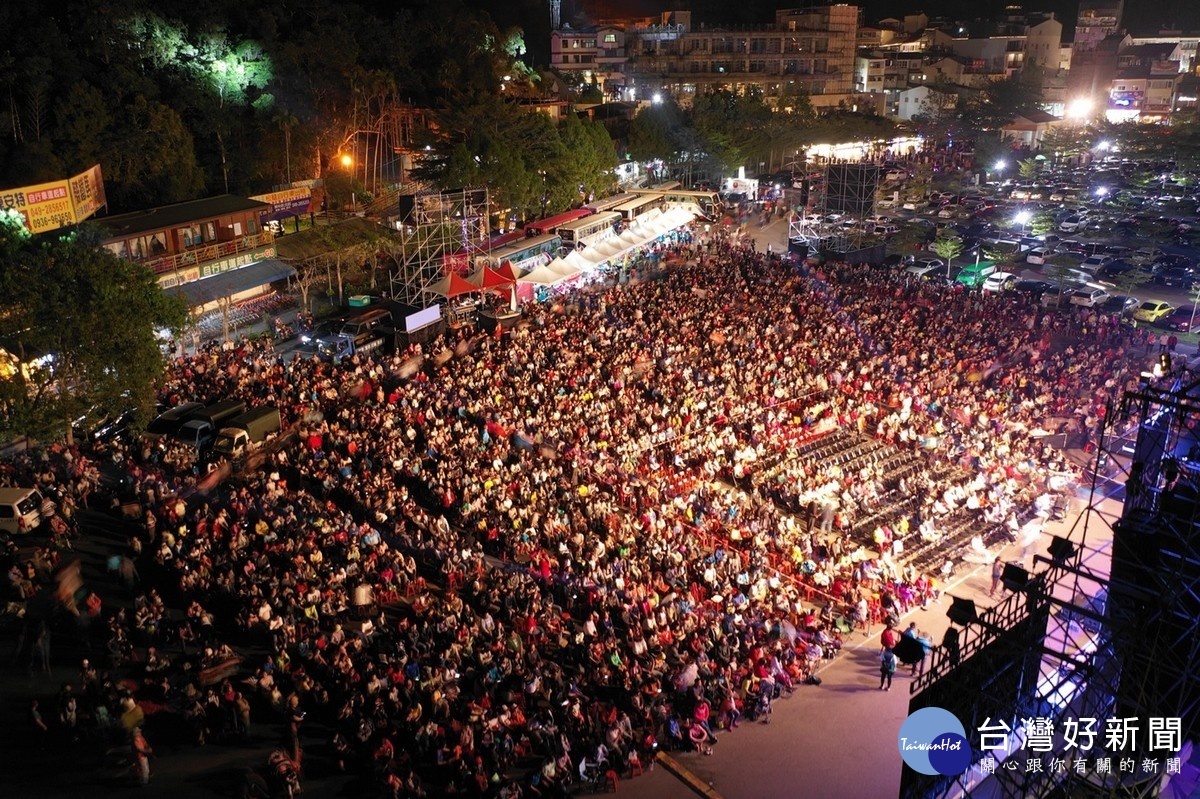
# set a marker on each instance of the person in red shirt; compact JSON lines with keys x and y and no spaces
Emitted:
{"x":888,"y":639}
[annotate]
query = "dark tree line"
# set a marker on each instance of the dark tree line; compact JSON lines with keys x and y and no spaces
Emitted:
{"x":180,"y":99}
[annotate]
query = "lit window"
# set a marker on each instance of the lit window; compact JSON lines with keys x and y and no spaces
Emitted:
{"x":610,"y":38}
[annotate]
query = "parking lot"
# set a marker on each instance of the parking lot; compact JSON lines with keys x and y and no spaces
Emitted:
{"x":1118,"y":236}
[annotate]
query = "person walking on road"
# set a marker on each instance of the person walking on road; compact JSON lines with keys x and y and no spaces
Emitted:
{"x":141,"y":756}
{"x":887,"y":667}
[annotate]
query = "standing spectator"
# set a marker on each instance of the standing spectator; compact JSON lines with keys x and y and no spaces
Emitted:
{"x":997,"y":573}
{"x":141,"y":756}
{"x":887,"y":667}
{"x":37,"y":725}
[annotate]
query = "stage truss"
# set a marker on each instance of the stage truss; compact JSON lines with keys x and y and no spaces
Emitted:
{"x":1086,"y":638}
{"x":440,"y":233}
{"x":821,"y":223}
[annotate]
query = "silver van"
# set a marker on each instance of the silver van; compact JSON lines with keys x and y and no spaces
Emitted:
{"x":20,"y":510}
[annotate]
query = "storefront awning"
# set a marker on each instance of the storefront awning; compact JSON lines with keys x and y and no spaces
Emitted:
{"x":235,"y":281}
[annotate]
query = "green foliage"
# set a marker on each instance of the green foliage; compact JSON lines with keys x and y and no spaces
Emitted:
{"x":93,"y":314}
{"x":1058,"y":269}
{"x":947,"y":246}
{"x":656,"y":133}
{"x":1029,"y":168}
{"x":1042,"y":222}
{"x":530,"y":165}
{"x":172,"y":97}
{"x":1127,"y":282}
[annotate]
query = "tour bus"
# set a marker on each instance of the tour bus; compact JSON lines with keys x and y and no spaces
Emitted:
{"x":610,"y":203}
{"x":528,"y":253}
{"x":640,"y":207}
{"x":541,"y":227}
{"x":709,"y":202}
{"x":590,"y":230}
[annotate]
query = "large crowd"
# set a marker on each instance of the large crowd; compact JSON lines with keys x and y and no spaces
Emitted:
{"x":617,"y":528}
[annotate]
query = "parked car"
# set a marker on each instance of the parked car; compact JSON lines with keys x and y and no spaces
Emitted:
{"x":1038,"y":255}
{"x":974,"y":275}
{"x":1089,"y":296}
{"x":1120,"y":304}
{"x":1181,"y":319}
{"x":1094,"y":263}
{"x":1179,"y":276}
{"x":926,"y":267}
{"x":1032,"y":287}
{"x":897,"y":261}
{"x":1153,"y":310}
{"x":998,"y":282}
{"x":1057,"y":296}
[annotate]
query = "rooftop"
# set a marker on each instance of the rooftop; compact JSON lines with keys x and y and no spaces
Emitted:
{"x":166,"y":216}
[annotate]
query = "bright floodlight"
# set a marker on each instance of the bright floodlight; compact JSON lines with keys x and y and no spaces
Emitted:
{"x":1080,"y":108}
{"x":1022,"y":217}
{"x":657,"y":98}
{"x":1104,"y":145}
{"x":1103,"y":190}
{"x":999,"y":165}
{"x":347,"y":160}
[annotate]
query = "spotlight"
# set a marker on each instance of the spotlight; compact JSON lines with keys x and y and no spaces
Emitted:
{"x":962,"y":611}
{"x":1014,"y":577}
{"x":1060,"y":549}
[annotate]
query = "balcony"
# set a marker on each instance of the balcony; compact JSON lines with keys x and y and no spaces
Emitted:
{"x":207,"y":252}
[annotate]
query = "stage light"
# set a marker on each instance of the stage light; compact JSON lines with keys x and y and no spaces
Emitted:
{"x":962,"y":611}
{"x":1060,"y":549}
{"x":1014,"y":577}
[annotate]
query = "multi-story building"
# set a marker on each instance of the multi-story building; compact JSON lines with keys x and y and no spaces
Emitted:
{"x":1145,"y":83}
{"x":594,"y":55}
{"x":1092,"y":71}
{"x":887,"y":73}
{"x":1188,"y":44}
{"x":808,"y":51}
{"x":1097,"y":20}
{"x":205,"y":250}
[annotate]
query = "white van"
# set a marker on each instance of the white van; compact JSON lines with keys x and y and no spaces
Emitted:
{"x":19,"y":505}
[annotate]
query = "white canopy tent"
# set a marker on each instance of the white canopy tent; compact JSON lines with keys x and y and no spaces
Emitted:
{"x":543,"y":276}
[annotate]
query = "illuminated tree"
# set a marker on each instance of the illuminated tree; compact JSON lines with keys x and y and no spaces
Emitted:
{"x":80,"y":324}
{"x":948,"y":247}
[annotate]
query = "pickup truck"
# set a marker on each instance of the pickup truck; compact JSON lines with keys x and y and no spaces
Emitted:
{"x":200,"y":430}
{"x":246,"y":431}
{"x":343,"y":345}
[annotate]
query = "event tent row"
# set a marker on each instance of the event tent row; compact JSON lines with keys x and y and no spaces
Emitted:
{"x":560,"y":269}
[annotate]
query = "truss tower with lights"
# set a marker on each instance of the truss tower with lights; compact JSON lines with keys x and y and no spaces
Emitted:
{"x":1099,"y":629}
{"x":440,"y":232}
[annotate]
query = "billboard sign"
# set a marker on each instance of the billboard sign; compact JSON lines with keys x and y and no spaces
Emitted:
{"x":87,"y":193}
{"x":61,"y":203}
{"x":287,"y":203}
{"x":46,"y":206}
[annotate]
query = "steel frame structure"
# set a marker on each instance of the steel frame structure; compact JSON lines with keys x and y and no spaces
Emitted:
{"x":1116,"y":643}
{"x":812,"y":227}
{"x":444,"y":232}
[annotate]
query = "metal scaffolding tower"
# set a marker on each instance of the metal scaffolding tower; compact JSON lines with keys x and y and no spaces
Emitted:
{"x":440,"y":233}
{"x":1097,"y":633}
{"x":839,"y":201}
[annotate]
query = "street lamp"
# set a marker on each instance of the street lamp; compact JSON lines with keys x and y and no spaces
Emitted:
{"x":347,"y":160}
{"x":1021,"y":218}
{"x":1080,"y":108}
